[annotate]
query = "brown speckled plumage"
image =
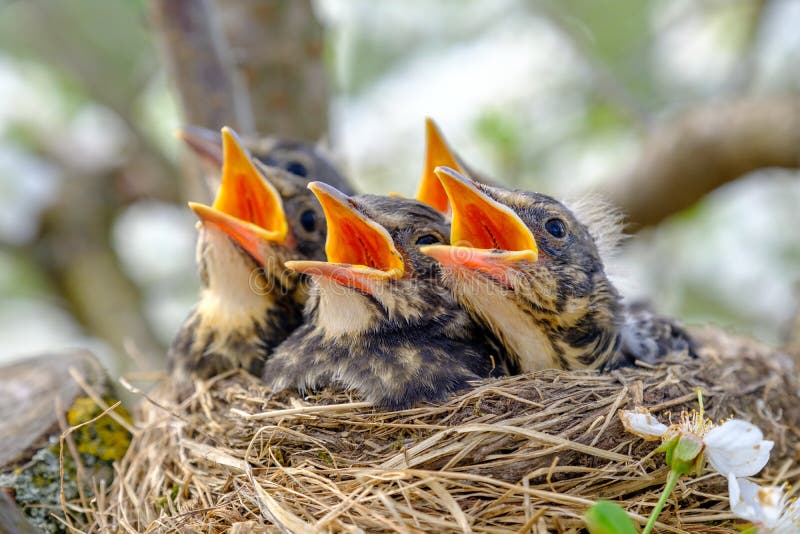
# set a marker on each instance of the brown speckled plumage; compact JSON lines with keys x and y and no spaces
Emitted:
{"x":247,"y":307}
{"x":561,"y":310}
{"x":407,"y":342}
{"x":303,"y":159}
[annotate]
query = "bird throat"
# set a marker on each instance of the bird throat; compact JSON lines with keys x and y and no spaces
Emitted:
{"x":578,"y":341}
{"x":516,"y":330}
{"x":342,"y":311}
{"x":238,"y":296}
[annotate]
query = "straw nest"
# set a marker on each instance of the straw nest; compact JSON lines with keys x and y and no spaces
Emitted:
{"x":521,"y":454}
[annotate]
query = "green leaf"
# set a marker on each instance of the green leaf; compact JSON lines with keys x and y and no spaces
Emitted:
{"x":606,"y":517}
{"x":668,"y":448}
{"x":687,"y":454}
{"x":688,"y":448}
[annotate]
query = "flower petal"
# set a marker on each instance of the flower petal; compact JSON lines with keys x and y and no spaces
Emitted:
{"x":772,"y":502}
{"x":737,"y":447}
{"x":789,"y":522}
{"x":743,"y":496}
{"x":762,"y":505}
{"x":641,"y":423}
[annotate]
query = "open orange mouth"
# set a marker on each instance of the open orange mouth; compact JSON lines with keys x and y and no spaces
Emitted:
{"x":247,"y":207}
{"x":437,"y":154}
{"x":360,"y":251}
{"x":486,"y":235}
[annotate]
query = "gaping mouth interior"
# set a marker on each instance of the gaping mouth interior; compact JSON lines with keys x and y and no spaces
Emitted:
{"x":481,"y":222}
{"x":247,"y":207}
{"x":358,"y":249}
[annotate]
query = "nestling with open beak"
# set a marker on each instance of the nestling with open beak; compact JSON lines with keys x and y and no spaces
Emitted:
{"x":302,"y":159}
{"x":249,"y":302}
{"x":527,"y":268}
{"x":378,"y":321}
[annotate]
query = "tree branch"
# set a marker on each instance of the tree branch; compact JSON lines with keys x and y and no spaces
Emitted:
{"x":276,"y":49}
{"x":74,"y":248}
{"x":194,"y":54}
{"x":704,"y":148}
{"x":250,"y":64}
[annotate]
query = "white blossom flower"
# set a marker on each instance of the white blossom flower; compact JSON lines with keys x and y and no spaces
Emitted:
{"x":642,"y":423}
{"x":734,"y":446}
{"x":766,"y":507}
{"x":737,"y":447}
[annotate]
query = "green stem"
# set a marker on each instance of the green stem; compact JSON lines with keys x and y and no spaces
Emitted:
{"x":672,"y":480}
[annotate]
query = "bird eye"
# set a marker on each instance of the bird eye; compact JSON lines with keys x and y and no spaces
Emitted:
{"x":309,"y":220}
{"x":427,"y":239}
{"x":556,"y":228}
{"x":295,"y":167}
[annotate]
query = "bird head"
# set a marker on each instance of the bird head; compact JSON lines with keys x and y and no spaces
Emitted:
{"x":523,"y":263}
{"x":261,"y":217}
{"x":375,"y":276}
{"x":302,"y":159}
{"x":247,"y":208}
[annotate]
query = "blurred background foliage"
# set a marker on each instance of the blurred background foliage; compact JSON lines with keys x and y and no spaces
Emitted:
{"x":96,"y":245}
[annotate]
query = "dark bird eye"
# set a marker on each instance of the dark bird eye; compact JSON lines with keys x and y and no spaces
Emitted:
{"x":427,"y":239}
{"x":556,"y":228}
{"x":295,"y":167}
{"x":309,"y":220}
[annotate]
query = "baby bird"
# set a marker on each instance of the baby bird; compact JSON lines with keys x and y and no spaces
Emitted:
{"x":526,"y":267}
{"x":305,"y":160}
{"x":261,"y":218}
{"x":378,"y":321}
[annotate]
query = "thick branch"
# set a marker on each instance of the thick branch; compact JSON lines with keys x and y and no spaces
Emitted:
{"x":705,"y":148}
{"x":74,"y":247}
{"x":250,"y":64}
{"x":276,"y":49}
{"x":194,"y":53}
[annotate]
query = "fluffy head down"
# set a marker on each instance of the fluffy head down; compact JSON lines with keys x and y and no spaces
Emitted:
{"x":560,"y":310}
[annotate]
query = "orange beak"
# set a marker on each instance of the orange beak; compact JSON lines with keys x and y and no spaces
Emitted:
{"x":486,"y":235}
{"x":437,"y":154}
{"x":247,"y":207}
{"x":360,"y":251}
{"x":204,"y":142}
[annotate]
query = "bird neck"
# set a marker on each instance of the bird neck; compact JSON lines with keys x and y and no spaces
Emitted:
{"x":238,"y":293}
{"x":234,"y":287}
{"x":518,"y":331}
{"x":339,"y":312}
{"x":582,"y":336}
{"x":342,"y":312}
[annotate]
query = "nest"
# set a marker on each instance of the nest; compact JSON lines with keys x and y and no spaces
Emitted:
{"x":521,"y":454}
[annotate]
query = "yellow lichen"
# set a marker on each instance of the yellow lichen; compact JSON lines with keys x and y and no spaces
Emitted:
{"x":105,"y":438}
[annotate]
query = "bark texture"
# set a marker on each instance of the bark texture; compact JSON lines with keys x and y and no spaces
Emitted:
{"x":704,"y":148}
{"x":31,"y":388}
{"x":251,"y":64}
